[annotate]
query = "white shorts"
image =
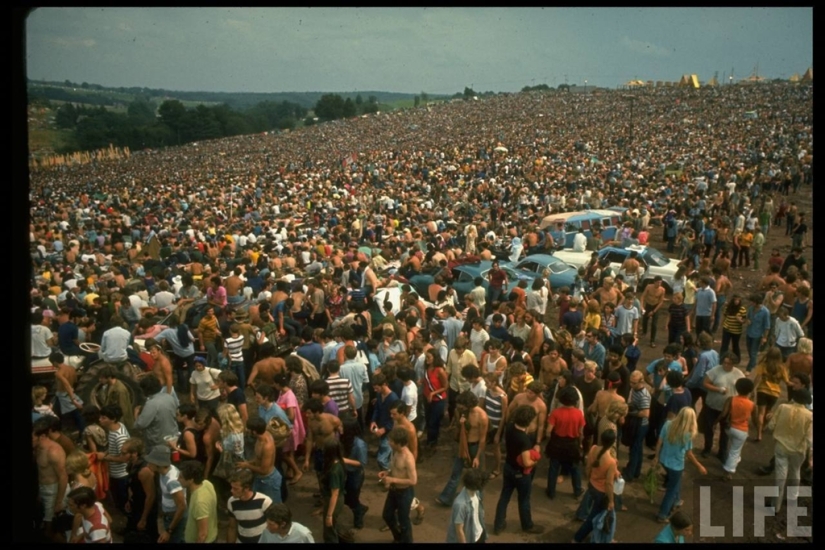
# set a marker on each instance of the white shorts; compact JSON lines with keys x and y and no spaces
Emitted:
{"x":48,"y":497}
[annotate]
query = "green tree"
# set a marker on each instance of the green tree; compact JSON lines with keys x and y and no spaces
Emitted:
{"x":469,"y":92}
{"x":424,"y":97}
{"x":358,"y":100}
{"x":349,"y":110}
{"x":416,"y":101}
{"x":66,"y":116}
{"x":172,"y":113}
{"x":329,"y":107}
{"x":142,"y":111}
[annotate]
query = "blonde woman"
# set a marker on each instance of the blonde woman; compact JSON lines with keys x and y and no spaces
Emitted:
{"x":80,"y":471}
{"x":674,"y":445}
{"x":231,"y":445}
{"x":770,"y":375}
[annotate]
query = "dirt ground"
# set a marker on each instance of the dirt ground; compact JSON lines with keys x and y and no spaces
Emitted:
{"x":637,"y":524}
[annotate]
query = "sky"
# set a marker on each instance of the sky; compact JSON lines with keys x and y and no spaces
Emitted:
{"x":411,"y":50}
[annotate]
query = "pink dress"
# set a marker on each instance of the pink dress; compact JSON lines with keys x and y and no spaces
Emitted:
{"x":287,"y":401}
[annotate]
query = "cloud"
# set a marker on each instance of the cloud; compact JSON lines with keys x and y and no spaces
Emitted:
{"x":74,"y":42}
{"x":648,"y":48}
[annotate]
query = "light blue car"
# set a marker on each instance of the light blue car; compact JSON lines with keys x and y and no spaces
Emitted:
{"x":463,"y":276}
{"x":534,"y":265}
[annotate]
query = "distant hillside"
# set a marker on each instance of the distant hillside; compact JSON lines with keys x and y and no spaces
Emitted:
{"x":95,"y":94}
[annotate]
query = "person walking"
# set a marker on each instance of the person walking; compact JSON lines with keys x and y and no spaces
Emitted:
{"x":601,"y":471}
{"x":674,"y":445}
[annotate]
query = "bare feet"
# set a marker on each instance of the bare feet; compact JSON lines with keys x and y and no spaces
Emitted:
{"x":296,"y":478}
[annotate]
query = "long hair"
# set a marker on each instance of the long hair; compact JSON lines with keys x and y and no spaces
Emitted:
{"x":230,"y":420}
{"x":606,"y":440}
{"x":734,"y":305}
{"x":683,"y":427}
{"x":332,"y":454}
{"x":773,"y":365}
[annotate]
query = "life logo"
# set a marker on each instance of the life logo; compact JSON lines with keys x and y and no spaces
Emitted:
{"x":743,"y":510}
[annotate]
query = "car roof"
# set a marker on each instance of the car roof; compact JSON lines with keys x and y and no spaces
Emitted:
{"x":541,"y":258}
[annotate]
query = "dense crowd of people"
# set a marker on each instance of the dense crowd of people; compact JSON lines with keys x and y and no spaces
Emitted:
{"x":289,"y":237}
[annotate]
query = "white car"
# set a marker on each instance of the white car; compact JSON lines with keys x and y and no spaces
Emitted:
{"x":654,"y":262}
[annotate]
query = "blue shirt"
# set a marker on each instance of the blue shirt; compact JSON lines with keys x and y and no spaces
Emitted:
{"x":667,"y":536}
{"x":381,"y":414}
{"x":452,"y":328}
{"x":356,"y":372}
{"x":707,"y":360}
{"x":672,"y":455}
{"x":171,"y":334}
{"x":657,"y":378}
{"x":595,"y":352}
{"x":312,"y":352}
{"x":760,"y":321}
{"x":464,"y":513}
{"x":705,"y":298}
{"x":274,"y":411}
{"x":67,"y":333}
{"x":359,"y":453}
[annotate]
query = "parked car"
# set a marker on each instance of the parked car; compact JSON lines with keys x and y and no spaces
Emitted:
{"x":654,"y":262}
{"x":463,"y":276}
{"x":534,"y":265}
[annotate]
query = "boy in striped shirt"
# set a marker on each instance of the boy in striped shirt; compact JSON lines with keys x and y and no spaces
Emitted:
{"x":233,"y":350}
{"x":246,"y":509}
{"x":95,"y":523}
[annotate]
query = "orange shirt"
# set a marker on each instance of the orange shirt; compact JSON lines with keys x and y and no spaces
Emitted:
{"x":741,"y":409}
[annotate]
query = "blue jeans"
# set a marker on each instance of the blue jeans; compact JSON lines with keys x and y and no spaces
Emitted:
{"x":269,"y":485}
{"x":514,"y":480}
{"x":448,"y":494}
{"x":352,"y":496}
{"x":634,"y":464}
{"x":384,"y":453}
{"x":396,"y":514}
{"x":673,"y":489}
{"x":238,"y":368}
{"x":553,"y":474}
{"x":786,"y":351}
{"x":494,"y":294}
{"x":599,"y":505}
{"x":753,"y":351}
{"x":434,"y":414}
{"x":176,"y":536}
{"x":720,"y":304}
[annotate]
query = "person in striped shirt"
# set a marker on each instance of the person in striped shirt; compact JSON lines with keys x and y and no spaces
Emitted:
{"x":95,"y":522}
{"x":118,"y":471}
{"x":340,"y":389}
{"x":246,"y":509}
{"x":233,"y":350}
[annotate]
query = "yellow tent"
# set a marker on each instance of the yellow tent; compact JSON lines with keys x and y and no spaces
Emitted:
{"x":694,"y":81}
{"x":684,"y":81}
{"x":808,"y":76}
{"x":794,"y":78}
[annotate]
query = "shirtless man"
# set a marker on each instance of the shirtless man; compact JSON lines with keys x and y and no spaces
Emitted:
{"x":320,"y":427}
{"x":162,"y":367}
{"x":607,"y":293}
{"x":66,"y":377}
{"x":723,"y":287}
{"x":267,"y":477}
{"x":400,"y":481}
{"x":531,"y":397}
{"x":473,"y":423}
{"x":234,"y":284}
{"x":51,"y":473}
{"x":653,"y":297}
{"x":605,"y":397}
{"x":267,"y":368}
{"x":552,"y":365}
{"x":398,"y":412}
{"x":632,"y":270}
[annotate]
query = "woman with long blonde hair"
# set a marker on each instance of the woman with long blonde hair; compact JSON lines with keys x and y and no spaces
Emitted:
{"x":674,"y":445}
{"x":232,"y":431}
{"x":79,"y":470}
{"x":770,"y":374}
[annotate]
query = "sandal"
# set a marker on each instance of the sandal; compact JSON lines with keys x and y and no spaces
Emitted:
{"x":494,"y":475}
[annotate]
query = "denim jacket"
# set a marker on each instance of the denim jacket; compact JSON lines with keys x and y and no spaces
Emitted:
{"x":463,"y":513}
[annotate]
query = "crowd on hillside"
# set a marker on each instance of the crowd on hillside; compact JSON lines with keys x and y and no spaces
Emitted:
{"x":115,"y":246}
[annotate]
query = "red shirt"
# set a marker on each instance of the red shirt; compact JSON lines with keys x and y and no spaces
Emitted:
{"x":497,"y":278}
{"x":566,"y":421}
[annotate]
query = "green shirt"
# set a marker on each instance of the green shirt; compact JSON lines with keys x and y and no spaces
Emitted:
{"x":335,"y":479}
{"x":203,"y":503}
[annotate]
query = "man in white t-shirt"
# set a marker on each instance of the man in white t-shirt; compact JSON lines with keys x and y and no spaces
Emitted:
{"x":281,"y":529}
{"x":580,"y":241}
{"x":409,"y":395}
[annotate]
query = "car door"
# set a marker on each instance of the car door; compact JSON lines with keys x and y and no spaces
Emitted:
{"x":462,"y":282}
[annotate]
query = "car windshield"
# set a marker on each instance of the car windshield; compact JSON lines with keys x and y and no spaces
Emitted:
{"x":558,"y":267}
{"x":654,"y":257}
{"x":512,"y":275}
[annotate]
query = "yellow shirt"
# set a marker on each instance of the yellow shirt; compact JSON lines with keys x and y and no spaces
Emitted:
{"x":746,"y":239}
{"x":519,"y":387}
{"x":592,"y":320}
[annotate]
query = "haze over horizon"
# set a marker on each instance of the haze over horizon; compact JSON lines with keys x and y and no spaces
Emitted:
{"x":409,"y":50}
